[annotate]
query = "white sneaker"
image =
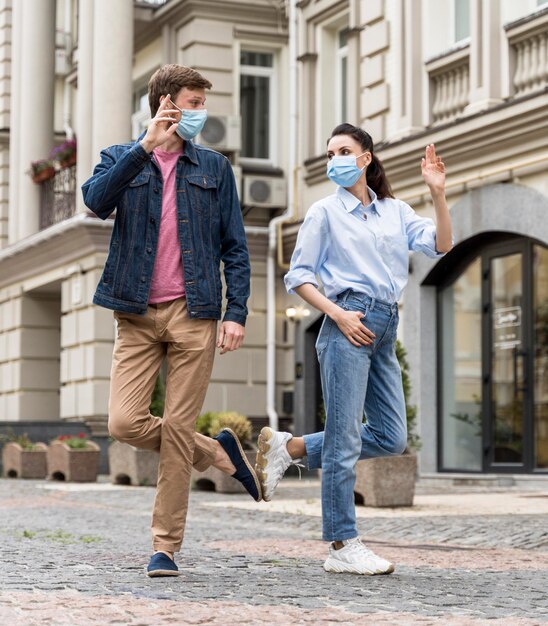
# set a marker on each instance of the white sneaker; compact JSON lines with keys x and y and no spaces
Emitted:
{"x":272,"y":459}
{"x":355,"y":558}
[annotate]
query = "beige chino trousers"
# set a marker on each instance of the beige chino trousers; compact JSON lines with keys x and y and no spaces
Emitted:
{"x":141,"y":344}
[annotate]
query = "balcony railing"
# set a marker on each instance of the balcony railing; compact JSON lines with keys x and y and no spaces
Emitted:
{"x":58,"y":197}
{"x":528,"y":40}
{"x":449,"y":85}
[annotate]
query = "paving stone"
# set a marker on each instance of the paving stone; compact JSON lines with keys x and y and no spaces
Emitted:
{"x":76,"y":555}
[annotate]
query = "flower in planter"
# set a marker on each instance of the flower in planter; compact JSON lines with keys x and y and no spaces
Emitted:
{"x":65,"y":153}
{"x":42,"y":170}
{"x":75,"y":442}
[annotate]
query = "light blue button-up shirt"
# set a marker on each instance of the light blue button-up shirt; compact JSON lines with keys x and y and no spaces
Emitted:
{"x":349,"y":246}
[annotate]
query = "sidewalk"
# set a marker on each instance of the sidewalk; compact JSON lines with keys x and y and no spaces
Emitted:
{"x":75,"y":555}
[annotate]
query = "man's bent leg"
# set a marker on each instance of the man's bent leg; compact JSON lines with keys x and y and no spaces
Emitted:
{"x":136,"y":362}
{"x":191,"y":348}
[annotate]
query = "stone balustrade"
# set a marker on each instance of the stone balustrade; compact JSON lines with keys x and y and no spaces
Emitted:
{"x":528,"y":40}
{"x":449,"y":85}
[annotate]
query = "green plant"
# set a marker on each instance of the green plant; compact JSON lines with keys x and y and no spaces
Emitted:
{"x":203,"y":423}
{"x":37,"y":167}
{"x":23,"y":440}
{"x":413,"y":440}
{"x":76,"y":442}
{"x":212,"y":423}
{"x":157,"y":401}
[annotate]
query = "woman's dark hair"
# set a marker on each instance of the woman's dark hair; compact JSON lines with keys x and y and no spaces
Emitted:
{"x":375,"y":175}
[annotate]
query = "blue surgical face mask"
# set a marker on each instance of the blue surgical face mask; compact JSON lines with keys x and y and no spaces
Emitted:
{"x":191,"y":123}
{"x":343,"y":171}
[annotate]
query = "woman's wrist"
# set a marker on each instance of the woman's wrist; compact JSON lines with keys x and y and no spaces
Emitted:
{"x":437,"y":192}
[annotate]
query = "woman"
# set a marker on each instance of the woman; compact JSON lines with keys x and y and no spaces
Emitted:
{"x":357,"y":242}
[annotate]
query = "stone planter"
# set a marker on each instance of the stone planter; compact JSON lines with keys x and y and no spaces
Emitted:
{"x":387,"y":481}
{"x":73,"y":464}
{"x":215,"y":480}
{"x":132,"y":466}
{"x":19,"y":462}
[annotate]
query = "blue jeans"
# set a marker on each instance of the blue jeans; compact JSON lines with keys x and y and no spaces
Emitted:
{"x":356,"y":380}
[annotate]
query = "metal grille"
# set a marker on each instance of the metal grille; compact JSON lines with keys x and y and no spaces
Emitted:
{"x":58,"y":197}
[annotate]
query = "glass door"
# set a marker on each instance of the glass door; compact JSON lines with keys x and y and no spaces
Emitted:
{"x":508,"y":428}
{"x":507,"y":360}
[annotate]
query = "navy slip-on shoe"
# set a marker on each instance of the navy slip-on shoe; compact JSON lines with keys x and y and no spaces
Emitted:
{"x":161,"y":565}
{"x":244,"y":471}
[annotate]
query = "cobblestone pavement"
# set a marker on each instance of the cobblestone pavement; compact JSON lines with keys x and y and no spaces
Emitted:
{"x":75,"y":555}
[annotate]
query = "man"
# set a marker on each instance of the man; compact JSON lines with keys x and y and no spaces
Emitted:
{"x":177,"y":218}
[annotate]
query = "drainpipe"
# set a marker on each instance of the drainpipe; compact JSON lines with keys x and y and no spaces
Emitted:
{"x":69,"y":132}
{"x":273,"y":224}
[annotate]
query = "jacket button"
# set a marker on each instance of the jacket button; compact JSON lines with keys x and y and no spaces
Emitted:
{"x":143,"y":279}
{"x":149,"y":250}
{"x":152,"y":220}
{"x":155,"y":189}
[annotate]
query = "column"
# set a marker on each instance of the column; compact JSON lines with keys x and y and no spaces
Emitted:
{"x":408,"y":49}
{"x":485,"y":61}
{"x":84,"y":99}
{"x":112,"y":73}
{"x":31,"y":117}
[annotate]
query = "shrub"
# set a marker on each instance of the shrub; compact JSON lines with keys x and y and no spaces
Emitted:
{"x":212,"y":423}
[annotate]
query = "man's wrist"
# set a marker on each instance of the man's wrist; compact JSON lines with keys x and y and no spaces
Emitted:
{"x":147,"y":145}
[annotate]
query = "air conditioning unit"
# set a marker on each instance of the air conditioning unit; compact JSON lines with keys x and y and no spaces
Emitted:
{"x":221,"y":132}
{"x":139,"y":122}
{"x":261,"y":191}
{"x":238,"y":176}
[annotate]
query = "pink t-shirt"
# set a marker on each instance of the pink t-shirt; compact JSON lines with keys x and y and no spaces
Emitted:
{"x":168,"y":281}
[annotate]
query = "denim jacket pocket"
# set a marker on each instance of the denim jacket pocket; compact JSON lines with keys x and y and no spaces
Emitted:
{"x":203,"y":192}
{"x":202,"y":180}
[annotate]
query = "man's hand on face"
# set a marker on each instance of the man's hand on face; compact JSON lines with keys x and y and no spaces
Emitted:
{"x":162,"y":126}
{"x":231,"y":336}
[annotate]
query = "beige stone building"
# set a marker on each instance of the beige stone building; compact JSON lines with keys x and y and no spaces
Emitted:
{"x":469,"y":75}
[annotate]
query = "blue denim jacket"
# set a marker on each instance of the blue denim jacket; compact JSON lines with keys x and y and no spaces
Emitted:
{"x":210,"y":229}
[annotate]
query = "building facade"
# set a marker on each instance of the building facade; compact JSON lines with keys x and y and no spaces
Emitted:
{"x":468,"y":75}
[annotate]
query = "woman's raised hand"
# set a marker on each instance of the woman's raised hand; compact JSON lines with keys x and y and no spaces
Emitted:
{"x":433,"y":169}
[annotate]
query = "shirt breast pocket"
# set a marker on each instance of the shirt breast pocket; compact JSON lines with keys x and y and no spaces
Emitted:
{"x":396,"y":248}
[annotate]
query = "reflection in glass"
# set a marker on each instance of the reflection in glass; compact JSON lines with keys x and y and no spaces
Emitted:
{"x":255,"y":112}
{"x":461,"y":371}
{"x":507,"y":358}
{"x":540,"y":325}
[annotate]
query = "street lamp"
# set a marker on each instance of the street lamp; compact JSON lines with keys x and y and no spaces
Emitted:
{"x":296,"y":313}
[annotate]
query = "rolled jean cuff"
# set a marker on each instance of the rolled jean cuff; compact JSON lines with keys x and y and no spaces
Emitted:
{"x":313,"y":459}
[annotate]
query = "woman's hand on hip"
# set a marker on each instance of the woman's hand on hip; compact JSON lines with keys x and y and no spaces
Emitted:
{"x":351,"y":326}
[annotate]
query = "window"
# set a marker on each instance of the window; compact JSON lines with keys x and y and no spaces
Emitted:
{"x":256,"y":104}
{"x":462,"y":19}
{"x":342,"y":76}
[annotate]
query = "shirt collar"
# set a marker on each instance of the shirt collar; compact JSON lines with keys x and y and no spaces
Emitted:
{"x":189,"y":149}
{"x":189,"y":152}
{"x":350,"y":202}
